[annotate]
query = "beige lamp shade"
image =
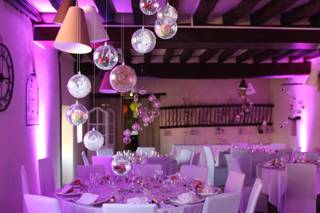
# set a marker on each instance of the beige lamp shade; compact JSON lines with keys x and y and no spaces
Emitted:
{"x":313,"y":79}
{"x":96,"y":30}
{"x":73,"y":35}
{"x":63,"y":9}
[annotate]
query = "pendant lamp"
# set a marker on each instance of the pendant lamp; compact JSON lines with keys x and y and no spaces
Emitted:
{"x":63,"y":9}
{"x":73,"y":35}
{"x":105,"y":86}
{"x":96,"y":30}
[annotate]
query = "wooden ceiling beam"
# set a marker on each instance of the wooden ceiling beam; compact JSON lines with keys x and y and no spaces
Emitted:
{"x":303,"y":11}
{"x":174,"y":3}
{"x":282,"y":55}
{"x":267,"y":54}
{"x":246,"y":55}
{"x":299,"y":54}
{"x":212,"y":38}
{"x":106,"y":5}
{"x":186,"y":55}
{"x":270,"y":10}
{"x":315,"y":20}
{"x":147,"y":58}
{"x":168,"y":55}
{"x":203,"y":11}
{"x":242,"y":10}
{"x":224,"y":55}
{"x":137,"y":14}
{"x":207,"y":55}
{"x":312,"y":55}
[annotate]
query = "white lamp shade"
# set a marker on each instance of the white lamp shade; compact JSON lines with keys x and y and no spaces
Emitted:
{"x":96,"y":30}
{"x":73,"y":35}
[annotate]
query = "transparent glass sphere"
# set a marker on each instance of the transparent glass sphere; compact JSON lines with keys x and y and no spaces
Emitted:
{"x":77,"y":114}
{"x":165,"y":28}
{"x":79,"y":86}
{"x":149,"y":7}
{"x":123,"y":78}
{"x":143,"y":41}
{"x":93,"y":140}
{"x":105,"y":57}
{"x":167,"y":11}
{"x":120,"y":165}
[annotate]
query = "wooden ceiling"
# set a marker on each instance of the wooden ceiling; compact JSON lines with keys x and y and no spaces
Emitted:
{"x":242,"y":38}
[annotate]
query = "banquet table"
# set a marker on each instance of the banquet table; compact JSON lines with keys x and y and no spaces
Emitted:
{"x":169,"y":165}
{"x":273,"y":185}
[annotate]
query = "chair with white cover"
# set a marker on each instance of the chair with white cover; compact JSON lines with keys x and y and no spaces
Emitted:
{"x":300,"y":194}
{"x":222,"y":203}
{"x":105,"y":151}
{"x":46,"y":177}
{"x":145,"y":150}
{"x":245,"y":161}
{"x":146,"y":170}
{"x":128,"y":208}
{"x":41,"y":204}
{"x":104,"y":161}
{"x":85,"y":159}
{"x":235,"y":182}
{"x":195,"y":158}
{"x":232,"y":163}
{"x":85,"y":171}
{"x":184,"y":157}
{"x":195,"y":172}
{"x":254,"y":196}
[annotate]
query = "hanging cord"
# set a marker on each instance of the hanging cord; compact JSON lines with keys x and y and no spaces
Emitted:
{"x":122,"y":39}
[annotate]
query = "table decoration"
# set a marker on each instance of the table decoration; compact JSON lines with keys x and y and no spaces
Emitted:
{"x":149,"y":7}
{"x":123,"y":78}
{"x":77,"y":114}
{"x":105,"y":57}
{"x":143,"y":40}
{"x":79,"y":86}
{"x":93,"y":140}
{"x":165,"y":28}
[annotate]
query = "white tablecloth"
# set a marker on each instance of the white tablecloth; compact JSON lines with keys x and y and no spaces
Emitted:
{"x":273,"y":185}
{"x":70,"y":207}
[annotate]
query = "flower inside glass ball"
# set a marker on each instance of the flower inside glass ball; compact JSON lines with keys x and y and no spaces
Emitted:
{"x":149,"y":7}
{"x":105,"y":57}
{"x":143,"y":41}
{"x":167,"y":11}
{"x":77,"y":114}
{"x":79,"y":86}
{"x":165,"y":28}
{"x":123,"y":78}
{"x":93,"y":140}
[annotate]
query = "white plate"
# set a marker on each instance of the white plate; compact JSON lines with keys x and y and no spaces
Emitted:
{"x":203,"y":194}
{"x":179,"y":203}
{"x":69,"y":194}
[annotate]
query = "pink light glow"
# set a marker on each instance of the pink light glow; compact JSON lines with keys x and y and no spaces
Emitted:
{"x":41,"y":134}
{"x":43,"y":6}
{"x":39,"y":44}
{"x":303,"y":132}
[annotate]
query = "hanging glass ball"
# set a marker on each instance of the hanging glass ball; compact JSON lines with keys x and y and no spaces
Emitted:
{"x":105,"y":57}
{"x":123,"y":78}
{"x":93,"y":140}
{"x":120,"y":165}
{"x":79,"y":86}
{"x":143,"y":41}
{"x":165,"y":28}
{"x":167,"y":11}
{"x":149,"y":7}
{"x":77,"y":114}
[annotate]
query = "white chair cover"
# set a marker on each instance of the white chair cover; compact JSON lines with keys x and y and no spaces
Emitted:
{"x":234,"y":182}
{"x":245,"y":162}
{"x":210,"y":164}
{"x":41,"y":204}
{"x":104,"y":161}
{"x":24,"y":180}
{"x":85,"y":159}
{"x":85,"y":171}
{"x":195,"y":172}
{"x":300,"y":195}
{"x":254,"y":196}
{"x":128,"y":208}
{"x":46,"y":177}
{"x":184,"y":157}
{"x":145,"y":150}
{"x":232,"y":163}
{"x":195,"y":158}
{"x":105,"y":151}
{"x":222,"y":203}
{"x":146,"y":170}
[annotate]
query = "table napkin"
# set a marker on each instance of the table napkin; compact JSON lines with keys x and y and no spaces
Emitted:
{"x":87,"y":199}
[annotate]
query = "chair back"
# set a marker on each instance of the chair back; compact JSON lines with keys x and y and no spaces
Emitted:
{"x":244,"y":158}
{"x":232,"y":163}
{"x":224,"y":203}
{"x":184,"y":157}
{"x":195,"y":172}
{"x":234,"y":182}
{"x":105,"y":151}
{"x":254,"y":196}
{"x":24,"y":180}
{"x":41,"y":204}
{"x":84,"y":172}
{"x":46,"y":177}
{"x":85,"y":159}
{"x":128,"y":208}
{"x":210,"y":163}
{"x":145,"y":150}
{"x":104,"y":161}
{"x":146,"y":170}
{"x":195,"y":159}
